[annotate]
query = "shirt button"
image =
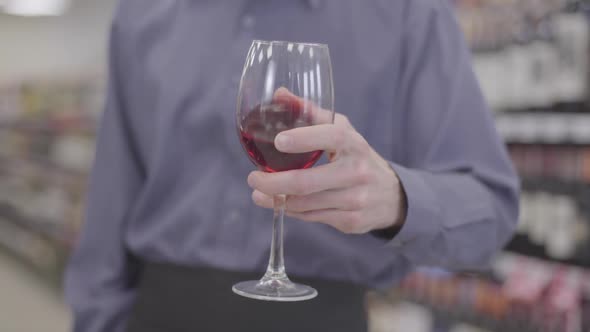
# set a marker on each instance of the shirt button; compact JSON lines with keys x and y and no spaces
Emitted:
{"x":248,"y":21}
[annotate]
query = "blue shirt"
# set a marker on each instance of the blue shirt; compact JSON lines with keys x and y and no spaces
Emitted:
{"x":169,"y":182}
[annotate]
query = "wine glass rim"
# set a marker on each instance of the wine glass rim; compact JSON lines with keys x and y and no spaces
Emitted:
{"x":284,"y":42}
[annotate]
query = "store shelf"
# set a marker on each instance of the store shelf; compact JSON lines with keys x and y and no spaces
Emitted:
{"x":41,"y":167}
{"x":519,"y":294}
{"x":521,"y":244}
{"x":544,"y":128}
{"x":72,"y":124}
{"x":49,"y":231}
{"x":35,"y":245}
{"x":56,"y":169}
{"x":570,"y":187}
{"x":481,"y":321}
{"x":457,"y":313}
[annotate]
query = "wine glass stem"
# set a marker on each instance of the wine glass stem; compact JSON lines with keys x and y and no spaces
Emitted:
{"x":276,"y":263}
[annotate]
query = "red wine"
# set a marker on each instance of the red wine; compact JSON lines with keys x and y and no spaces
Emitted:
{"x":261,"y":125}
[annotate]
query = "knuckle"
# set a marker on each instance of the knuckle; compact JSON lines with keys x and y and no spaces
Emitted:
{"x":358,"y":200}
{"x":301,"y":184}
{"x":355,"y":219}
{"x":350,"y":223}
{"x":341,"y":118}
{"x":339,"y":136}
{"x":295,"y":204}
{"x":360,"y":144}
{"x":350,"y":140}
{"x":361,"y":172}
{"x":345,"y":228}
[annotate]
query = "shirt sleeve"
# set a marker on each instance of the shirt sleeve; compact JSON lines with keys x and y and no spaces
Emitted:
{"x":461,"y":189}
{"x":100,"y":276}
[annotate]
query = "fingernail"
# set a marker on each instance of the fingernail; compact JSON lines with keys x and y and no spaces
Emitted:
{"x":282,"y":141}
{"x":282,"y":90}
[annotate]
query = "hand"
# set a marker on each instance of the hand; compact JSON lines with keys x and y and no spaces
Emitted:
{"x":357,"y":192}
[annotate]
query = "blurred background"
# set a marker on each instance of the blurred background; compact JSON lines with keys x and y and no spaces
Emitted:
{"x":532,"y":58}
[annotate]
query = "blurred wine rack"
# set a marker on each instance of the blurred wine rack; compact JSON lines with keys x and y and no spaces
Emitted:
{"x":47,"y":134}
{"x":551,"y":152}
{"x":517,"y":294}
{"x":532,"y":60}
{"x":531,"y":57}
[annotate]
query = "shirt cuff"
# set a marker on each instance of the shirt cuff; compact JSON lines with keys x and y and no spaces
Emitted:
{"x":423,"y":208}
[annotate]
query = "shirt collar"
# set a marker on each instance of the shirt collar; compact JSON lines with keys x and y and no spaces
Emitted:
{"x":314,"y":4}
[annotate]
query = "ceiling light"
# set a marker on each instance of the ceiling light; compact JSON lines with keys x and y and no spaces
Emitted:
{"x":34,"y":7}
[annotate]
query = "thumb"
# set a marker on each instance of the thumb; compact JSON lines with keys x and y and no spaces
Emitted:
{"x":317,"y":114}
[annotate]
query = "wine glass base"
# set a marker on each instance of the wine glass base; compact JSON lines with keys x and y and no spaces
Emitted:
{"x":274,"y":290}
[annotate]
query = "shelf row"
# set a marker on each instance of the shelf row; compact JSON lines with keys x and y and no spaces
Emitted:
{"x":545,"y":128}
{"x":514,"y":128}
{"x":516,"y":294}
{"x":41,"y":167}
{"x":35,"y":244}
{"x":71,"y":123}
{"x":521,"y":244}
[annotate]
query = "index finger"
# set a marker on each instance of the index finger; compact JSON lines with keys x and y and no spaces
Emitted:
{"x":327,"y":137}
{"x":304,"y":181}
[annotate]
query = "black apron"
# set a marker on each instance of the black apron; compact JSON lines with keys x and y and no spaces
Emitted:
{"x":184,"y":299}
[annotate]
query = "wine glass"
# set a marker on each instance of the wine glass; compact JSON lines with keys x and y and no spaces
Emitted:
{"x":284,"y":85}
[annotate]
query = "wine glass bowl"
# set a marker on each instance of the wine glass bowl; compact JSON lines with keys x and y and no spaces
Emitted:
{"x":284,"y":85}
{"x":261,"y":125}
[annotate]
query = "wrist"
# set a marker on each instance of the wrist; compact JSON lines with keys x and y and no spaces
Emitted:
{"x":400,"y":204}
